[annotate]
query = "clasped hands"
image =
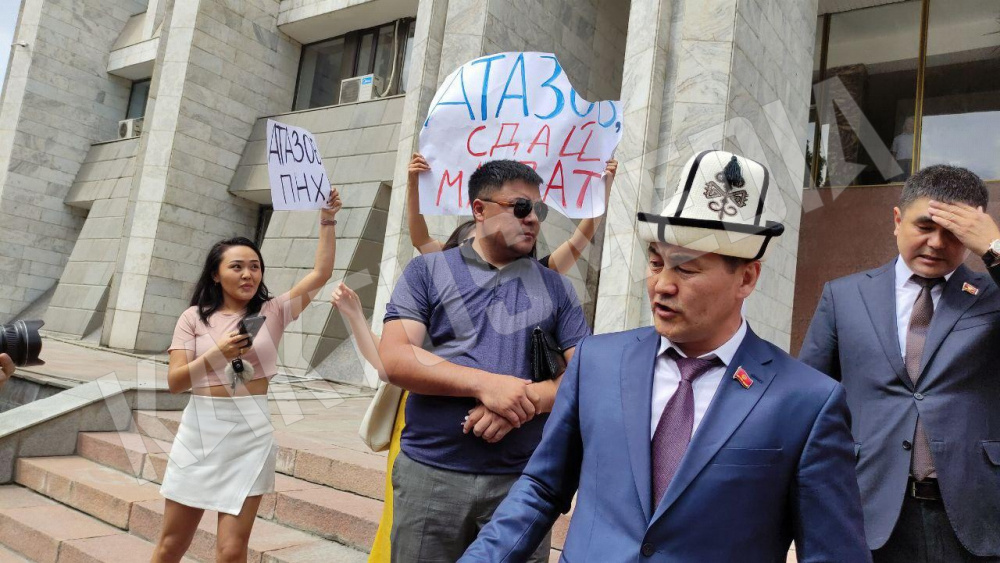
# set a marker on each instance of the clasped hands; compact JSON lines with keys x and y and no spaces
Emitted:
{"x":506,"y":402}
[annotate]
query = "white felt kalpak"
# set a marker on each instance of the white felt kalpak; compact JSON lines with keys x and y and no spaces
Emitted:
{"x":719,"y":206}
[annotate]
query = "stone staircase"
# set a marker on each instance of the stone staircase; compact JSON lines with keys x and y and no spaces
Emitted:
{"x":103,"y":504}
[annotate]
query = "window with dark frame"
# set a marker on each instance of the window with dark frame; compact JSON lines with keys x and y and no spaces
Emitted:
{"x":866,"y":72}
{"x":137,"y":98}
{"x":924,"y":76}
{"x":325,"y":64}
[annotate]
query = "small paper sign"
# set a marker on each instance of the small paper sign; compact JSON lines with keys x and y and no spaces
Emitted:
{"x":295,"y":168}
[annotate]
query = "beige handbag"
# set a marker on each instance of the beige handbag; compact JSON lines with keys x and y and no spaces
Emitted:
{"x":376,"y":426}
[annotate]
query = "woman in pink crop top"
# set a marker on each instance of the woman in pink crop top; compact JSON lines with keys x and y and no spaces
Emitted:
{"x":223,"y":455}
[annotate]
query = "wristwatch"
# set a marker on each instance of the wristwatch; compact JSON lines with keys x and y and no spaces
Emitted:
{"x":992,"y":255}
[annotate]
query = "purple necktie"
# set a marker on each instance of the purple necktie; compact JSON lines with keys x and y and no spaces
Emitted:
{"x":673,"y":432}
{"x":922,"y":463}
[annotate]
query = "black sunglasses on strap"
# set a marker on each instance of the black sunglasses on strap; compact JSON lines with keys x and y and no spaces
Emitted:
{"x":523,"y":206}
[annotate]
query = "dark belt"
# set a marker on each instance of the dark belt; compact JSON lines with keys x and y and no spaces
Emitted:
{"x":923,"y":490}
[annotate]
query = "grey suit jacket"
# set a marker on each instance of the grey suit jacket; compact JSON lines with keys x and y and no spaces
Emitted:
{"x":853,"y":339}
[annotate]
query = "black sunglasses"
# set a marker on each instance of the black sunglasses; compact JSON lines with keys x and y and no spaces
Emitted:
{"x":523,"y":207}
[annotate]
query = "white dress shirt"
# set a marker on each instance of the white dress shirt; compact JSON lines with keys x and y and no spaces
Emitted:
{"x":667,"y":378}
{"x":906,"y":296}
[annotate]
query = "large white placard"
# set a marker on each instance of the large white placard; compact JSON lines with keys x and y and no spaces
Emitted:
{"x":295,"y":169}
{"x":517,"y":106}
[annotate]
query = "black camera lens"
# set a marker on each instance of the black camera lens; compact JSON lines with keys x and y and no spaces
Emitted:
{"x":20,"y":340}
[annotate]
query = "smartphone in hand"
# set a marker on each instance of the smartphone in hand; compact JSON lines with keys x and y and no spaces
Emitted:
{"x":250,"y":326}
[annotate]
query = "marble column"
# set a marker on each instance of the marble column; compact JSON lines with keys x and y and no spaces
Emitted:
{"x":620,"y":294}
{"x":423,"y":82}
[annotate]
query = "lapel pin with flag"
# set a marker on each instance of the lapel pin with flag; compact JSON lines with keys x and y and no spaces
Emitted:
{"x":743,"y":377}
{"x":970,"y":289}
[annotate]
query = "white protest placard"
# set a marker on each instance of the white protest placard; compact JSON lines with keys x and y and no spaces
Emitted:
{"x":517,"y":106}
{"x":295,"y":169}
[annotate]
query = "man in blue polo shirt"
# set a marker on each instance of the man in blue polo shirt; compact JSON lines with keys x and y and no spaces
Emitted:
{"x":457,"y":335}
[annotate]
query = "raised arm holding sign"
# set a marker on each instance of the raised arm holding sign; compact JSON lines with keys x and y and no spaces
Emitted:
{"x":562,"y":258}
{"x":517,"y":106}
{"x":295,"y":168}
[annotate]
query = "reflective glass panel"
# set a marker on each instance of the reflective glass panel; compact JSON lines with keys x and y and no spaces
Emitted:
{"x":961,"y":122}
{"x":320,"y":74}
{"x":384,"y":56}
{"x":407,"y":52}
{"x":866,"y":102}
{"x":810,"y":138}
{"x":137,"y":99}
{"x":366,"y":48}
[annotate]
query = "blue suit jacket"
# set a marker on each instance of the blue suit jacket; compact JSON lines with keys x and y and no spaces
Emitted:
{"x":768,"y":464}
{"x":853,"y":338}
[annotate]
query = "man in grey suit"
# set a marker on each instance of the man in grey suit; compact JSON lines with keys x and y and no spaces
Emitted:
{"x":915,"y":345}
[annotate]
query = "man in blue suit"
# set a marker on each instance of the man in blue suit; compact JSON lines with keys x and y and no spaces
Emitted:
{"x":692,"y":440}
{"x":915,"y":345}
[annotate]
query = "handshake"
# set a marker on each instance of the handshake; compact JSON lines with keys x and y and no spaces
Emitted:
{"x":506,"y":402}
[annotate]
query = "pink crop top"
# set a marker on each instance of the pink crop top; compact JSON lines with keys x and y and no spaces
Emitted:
{"x":196,"y":337}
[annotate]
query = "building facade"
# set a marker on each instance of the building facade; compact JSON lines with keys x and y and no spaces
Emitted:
{"x":132,"y":136}
{"x":897,"y":86}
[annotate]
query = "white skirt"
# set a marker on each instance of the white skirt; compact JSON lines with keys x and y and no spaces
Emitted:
{"x":223,"y":453}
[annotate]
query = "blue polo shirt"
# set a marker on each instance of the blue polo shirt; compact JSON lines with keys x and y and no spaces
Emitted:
{"x":482,"y":317}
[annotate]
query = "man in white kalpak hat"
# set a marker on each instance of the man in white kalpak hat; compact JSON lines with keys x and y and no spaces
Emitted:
{"x":692,"y":440}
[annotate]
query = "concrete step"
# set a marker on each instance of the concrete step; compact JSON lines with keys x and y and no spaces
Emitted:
{"x":305,"y":458}
{"x":87,"y":486}
{"x":135,"y":505}
{"x":361,"y":473}
{"x":119,"y":548}
{"x":302,"y":457}
{"x":128,"y":452}
{"x":8,"y":556}
{"x":159,"y":425}
{"x":343,"y":517}
{"x":269,"y":540}
{"x":34,"y":528}
{"x":111,"y":496}
{"x":319,"y":552}
{"x":310,"y":460}
{"x":302,"y":504}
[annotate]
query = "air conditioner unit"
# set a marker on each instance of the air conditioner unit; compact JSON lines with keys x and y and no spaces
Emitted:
{"x":360,"y":88}
{"x":128,"y":128}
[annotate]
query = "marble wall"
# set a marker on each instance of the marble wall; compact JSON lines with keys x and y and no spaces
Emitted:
{"x":220,"y":67}
{"x":621,"y":300}
{"x":102,"y":187}
{"x":58,"y":99}
{"x":766,"y":118}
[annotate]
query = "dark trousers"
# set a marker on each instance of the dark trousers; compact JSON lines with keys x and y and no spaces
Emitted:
{"x":436,"y":514}
{"x":923,"y":534}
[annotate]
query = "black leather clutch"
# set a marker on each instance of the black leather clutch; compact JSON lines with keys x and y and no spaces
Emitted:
{"x":547,"y":360}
